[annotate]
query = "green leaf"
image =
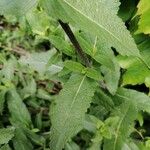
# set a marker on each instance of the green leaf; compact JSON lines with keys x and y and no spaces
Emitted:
{"x":125,"y":62}
{"x":40,"y":62}
{"x":130,"y":146}
{"x":127,"y":113}
{"x":5,"y":147}
{"x":39,"y":21}
{"x":144,"y":11}
{"x":37,"y":139}
{"x":6,"y":134}
{"x":16,"y":7}
{"x":110,"y":67}
{"x":19,"y":112}
{"x":29,"y":89}
{"x":68,"y":110}
{"x":2,"y":100}
{"x":75,"y":66}
{"x":104,"y":100}
{"x":62,"y":45}
{"x":136,"y":74}
{"x":72,"y":146}
{"x":93,"y":74}
{"x":140,"y":99}
{"x":20,"y":141}
{"x":99,"y":18}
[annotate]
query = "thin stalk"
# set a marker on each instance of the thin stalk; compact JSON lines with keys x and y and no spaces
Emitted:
{"x":75,"y":43}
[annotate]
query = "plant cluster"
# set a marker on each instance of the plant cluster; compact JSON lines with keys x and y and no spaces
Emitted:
{"x":74,"y":74}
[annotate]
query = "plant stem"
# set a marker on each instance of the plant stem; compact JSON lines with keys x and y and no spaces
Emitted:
{"x":75,"y":43}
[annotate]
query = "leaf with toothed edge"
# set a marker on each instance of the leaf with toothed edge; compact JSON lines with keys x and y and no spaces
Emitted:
{"x":68,"y":111}
{"x":97,"y":18}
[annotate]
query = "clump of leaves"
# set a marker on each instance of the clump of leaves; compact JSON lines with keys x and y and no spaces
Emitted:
{"x":72,"y":74}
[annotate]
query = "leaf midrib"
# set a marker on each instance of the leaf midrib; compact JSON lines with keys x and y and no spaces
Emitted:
{"x":96,"y":24}
{"x":74,"y":99}
{"x":117,"y":132}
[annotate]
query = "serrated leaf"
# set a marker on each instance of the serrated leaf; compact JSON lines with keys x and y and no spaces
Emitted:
{"x":16,"y":7}
{"x":6,"y":134}
{"x":68,"y":110}
{"x":127,"y":113}
{"x":97,"y":18}
{"x":140,"y":99}
{"x":18,"y":110}
{"x":110,"y":67}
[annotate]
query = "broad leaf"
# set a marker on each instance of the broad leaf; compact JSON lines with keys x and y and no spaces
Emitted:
{"x":110,"y":67}
{"x":136,"y":74}
{"x":68,"y":110}
{"x":16,"y":7}
{"x":140,"y":99}
{"x":97,"y":18}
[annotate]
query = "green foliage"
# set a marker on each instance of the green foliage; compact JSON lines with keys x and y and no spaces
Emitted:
{"x":144,"y":12}
{"x":65,"y":107}
{"x":16,"y":7}
{"x":6,"y":134}
{"x":127,"y":114}
{"x":101,"y":18}
{"x":74,"y":74}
